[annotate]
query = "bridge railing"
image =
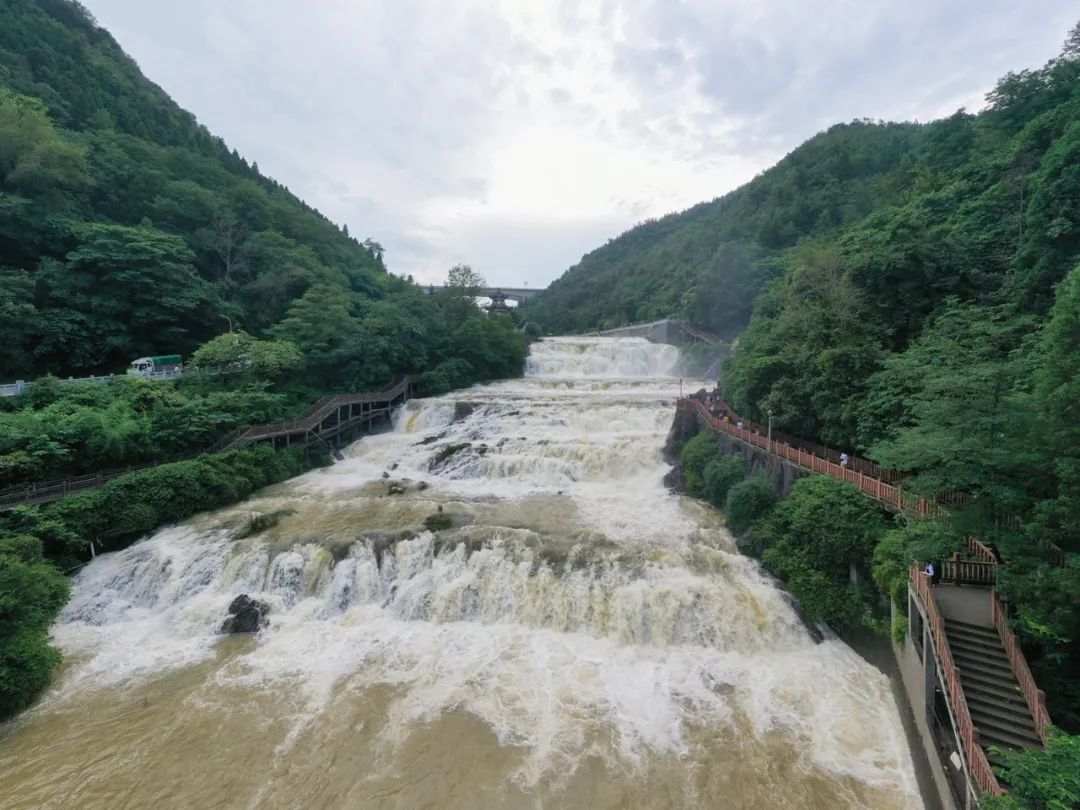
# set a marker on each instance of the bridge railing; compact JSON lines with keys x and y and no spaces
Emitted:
{"x":321,"y":410}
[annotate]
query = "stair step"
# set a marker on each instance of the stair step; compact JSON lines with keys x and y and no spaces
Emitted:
{"x":992,"y":651}
{"x":994,"y":693}
{"x":980,"y":707}
{"x":1003,"y":737}
{"x":966,"y":660}
{"x":971,"y":629}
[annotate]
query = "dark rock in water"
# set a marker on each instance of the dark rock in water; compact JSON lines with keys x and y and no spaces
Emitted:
{"x":385,"y":474}
{"x":246,"y":615}
{"x":462,"y":410}
{"x":432,"y":439}
{"x":395,"y":489}
{"x":673,"y":480}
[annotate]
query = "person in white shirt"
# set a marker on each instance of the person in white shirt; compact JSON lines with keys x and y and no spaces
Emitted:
{"x":843,"y":460}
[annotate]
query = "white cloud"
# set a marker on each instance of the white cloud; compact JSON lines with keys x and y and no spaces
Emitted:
{"x":518,"y":135}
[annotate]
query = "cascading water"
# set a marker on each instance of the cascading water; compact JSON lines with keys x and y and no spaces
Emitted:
{"x":578,"y":636}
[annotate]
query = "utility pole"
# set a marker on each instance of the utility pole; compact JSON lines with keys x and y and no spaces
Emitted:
{"x":770,"y":429}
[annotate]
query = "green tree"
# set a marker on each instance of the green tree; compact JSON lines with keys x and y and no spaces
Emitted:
{"x":32,"y":591}
{"x":266,"y":359}
{"x":748,"y":501}
{"x":34,"y":159}
{"x":694,"y":457}
{"x":122,"y":293}
{"x":721,"y":474}
{"x":1040,"y":780}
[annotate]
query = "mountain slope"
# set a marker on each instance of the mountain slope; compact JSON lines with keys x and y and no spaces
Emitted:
{"x":710,"y":261}
{"x":126,"y":228}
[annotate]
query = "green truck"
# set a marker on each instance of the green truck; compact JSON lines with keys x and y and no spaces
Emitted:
{"x":161,"y":364}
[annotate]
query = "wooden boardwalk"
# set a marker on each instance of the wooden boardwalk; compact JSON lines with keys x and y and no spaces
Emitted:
{"x":325,"y":422}
{"x":980,"y":606}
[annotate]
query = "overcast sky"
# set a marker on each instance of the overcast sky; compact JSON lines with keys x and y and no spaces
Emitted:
{"x":516,"y":135}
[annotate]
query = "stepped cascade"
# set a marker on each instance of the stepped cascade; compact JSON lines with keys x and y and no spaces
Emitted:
{"x":578,"y":636}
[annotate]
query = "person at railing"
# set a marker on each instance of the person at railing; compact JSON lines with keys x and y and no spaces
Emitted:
{"x":844,"y":459}
{"x":932,"y":572}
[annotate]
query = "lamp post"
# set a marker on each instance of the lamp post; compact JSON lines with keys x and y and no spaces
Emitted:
{"x":770,"y":429}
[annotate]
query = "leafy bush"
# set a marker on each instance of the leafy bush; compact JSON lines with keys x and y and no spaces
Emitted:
{"x":694,"y":457}
{"x":813,"y":539}
{"x":145,"y":499}
{"x":1040,"y":780}
{"x":32,"y":591}
{"x":822,"y":595}
{"x":721,"y":474}
{"x":917,"y":542}
{"x":899,"y":629}
{"x":748,"y":501}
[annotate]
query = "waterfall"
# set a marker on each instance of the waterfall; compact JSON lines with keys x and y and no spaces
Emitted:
{"x":578,"y":634}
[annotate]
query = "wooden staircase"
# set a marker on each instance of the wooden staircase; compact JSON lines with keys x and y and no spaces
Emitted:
{"x":997,"y":704}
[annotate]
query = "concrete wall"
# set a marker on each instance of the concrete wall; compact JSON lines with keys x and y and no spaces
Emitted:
{"x":782,"y":474}
{"x":920,"y":673}
{"x":665,"y":331}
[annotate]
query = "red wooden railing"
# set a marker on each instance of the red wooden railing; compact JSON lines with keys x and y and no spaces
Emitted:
{"x":863,"y":465}
{"x":1035,"y":697}
{"x":980,"y":551}
{"x":981,"y":570}
{"x":978,"y":765}
{"x":868,"y":484}
{"x":969,"y":572}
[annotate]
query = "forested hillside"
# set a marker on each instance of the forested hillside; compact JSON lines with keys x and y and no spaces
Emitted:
{"x":916,"y":298}
{"x":892,"y":197}
{"x":127,"y":229}
{"x":709,"y":262}
{"x":940,"y":336}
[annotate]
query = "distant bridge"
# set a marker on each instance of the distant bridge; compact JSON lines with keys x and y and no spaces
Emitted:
{"x":518,"y":294}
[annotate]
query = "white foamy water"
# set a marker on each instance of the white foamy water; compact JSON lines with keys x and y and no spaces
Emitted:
{"x":580,"y":637}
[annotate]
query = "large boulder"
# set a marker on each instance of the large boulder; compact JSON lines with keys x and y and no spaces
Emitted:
{"x":246,"y":615}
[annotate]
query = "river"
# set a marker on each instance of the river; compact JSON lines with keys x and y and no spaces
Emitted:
{"x":580,"y":637}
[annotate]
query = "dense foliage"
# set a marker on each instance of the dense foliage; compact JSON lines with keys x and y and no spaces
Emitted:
{"x":825,"y":531}
{"x":32,"y":590}
{"x":915,"y":296}
{"x":127,"y":229}
{"x":1041,"y":780}
{"x":748,"y":501}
